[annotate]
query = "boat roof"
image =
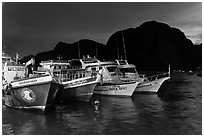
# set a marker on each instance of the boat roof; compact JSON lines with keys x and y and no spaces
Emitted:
{"x":89,"y":60}
{"x":108,"y":63}
{"x":54,"y":62}
{"x":13,"y":64}
{"x":127,"y":66}
{"x":121,"y":62}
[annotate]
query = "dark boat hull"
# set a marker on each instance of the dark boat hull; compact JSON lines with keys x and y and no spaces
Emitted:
{"x":33,"y":96}
{"x":79,"y":89}
{"x":80,"y":93}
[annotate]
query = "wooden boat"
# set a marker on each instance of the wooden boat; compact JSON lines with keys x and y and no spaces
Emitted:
{"x":152,"y":83}
{"x":147,"y":84}
{"x":35,"y":92}
{"x":113,"y":82}
{"x":78,"y":83}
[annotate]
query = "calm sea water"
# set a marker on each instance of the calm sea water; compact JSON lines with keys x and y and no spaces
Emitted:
{"x":176,"y":110}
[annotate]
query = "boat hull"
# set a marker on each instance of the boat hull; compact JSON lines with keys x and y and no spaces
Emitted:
{"x":80,"y":89}
{"x":81,"y":93}
{"x":151,"y":86}
{"x":116,"y":89}
{"x":37,"y":95}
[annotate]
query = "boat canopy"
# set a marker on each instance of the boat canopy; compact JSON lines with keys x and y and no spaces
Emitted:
{"x":58,"y":64}
{"x":121,"y":62}
{"x":105,"y":63}
{"x":89,"y":60}
{"x":127,"y":66}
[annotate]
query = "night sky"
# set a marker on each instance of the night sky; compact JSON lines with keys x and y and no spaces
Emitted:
{"x":30,"y":28}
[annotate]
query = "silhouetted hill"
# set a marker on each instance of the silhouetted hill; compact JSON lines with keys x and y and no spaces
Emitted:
{"x":71,"y":51}
{"x":151,"y":46}
{"x":154,"y":45}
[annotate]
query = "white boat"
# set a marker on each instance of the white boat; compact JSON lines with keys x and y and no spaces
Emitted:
{"x":78,"y":83}
{"x":113,"y":82}
{"x":147,"y":84}
{"x":152,"y":85}
{"x":120,"y":89}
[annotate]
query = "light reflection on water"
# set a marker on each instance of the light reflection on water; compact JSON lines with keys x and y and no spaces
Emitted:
{"x":176,"y":110}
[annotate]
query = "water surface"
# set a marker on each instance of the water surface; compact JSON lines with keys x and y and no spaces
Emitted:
{"x":176,"y":110}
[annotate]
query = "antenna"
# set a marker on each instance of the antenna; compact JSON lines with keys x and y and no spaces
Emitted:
{"x":124,"y":46}
{"x":79,"y":50}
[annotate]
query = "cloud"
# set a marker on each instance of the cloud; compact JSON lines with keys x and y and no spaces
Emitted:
{"x":193,"y":32}
{"x":43,"y":25}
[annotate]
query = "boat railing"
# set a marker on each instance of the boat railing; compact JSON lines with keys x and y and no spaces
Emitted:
{"x":67,"y":75}
{"x":158,"y":76}
{"x":118,"y":78}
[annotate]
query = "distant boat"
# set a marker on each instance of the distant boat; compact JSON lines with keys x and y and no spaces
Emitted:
{"x":35,"y":92}
{"x":78,"y":83}
{"x":147,"y":84}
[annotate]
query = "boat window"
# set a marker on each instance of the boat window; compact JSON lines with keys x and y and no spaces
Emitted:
{"x":75,"y":63}
{"x":9,"y":68}
{"x":93,"y":69}
{"x":128,"y":70}
{"x":112,"y":69}
{"x":122,"y":62}
{"x":63,"y":67}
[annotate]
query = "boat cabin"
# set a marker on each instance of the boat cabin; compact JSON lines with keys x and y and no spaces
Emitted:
{"x":55,"y":64}
{"x":111,"y":73}
{"x":91,"y":63}
{"x":66,"y":70}
{"x":12,"y":71}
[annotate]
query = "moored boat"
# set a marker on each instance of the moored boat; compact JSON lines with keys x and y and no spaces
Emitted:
{"x":113,"y":82}
{"x":35,"y":92}
{"x":81,"y":88}
{"x":78,"y":83}
{"x":147,"y":84}
{"x":151,"y":85}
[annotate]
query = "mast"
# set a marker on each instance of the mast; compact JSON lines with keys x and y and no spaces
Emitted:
{"x":96,"y":51}
{"x":169,"y":70}
{"x":17,"y":57}
{"x":124,"y":46}
{"x":78,"y":50}
{"x":117,"y":48}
